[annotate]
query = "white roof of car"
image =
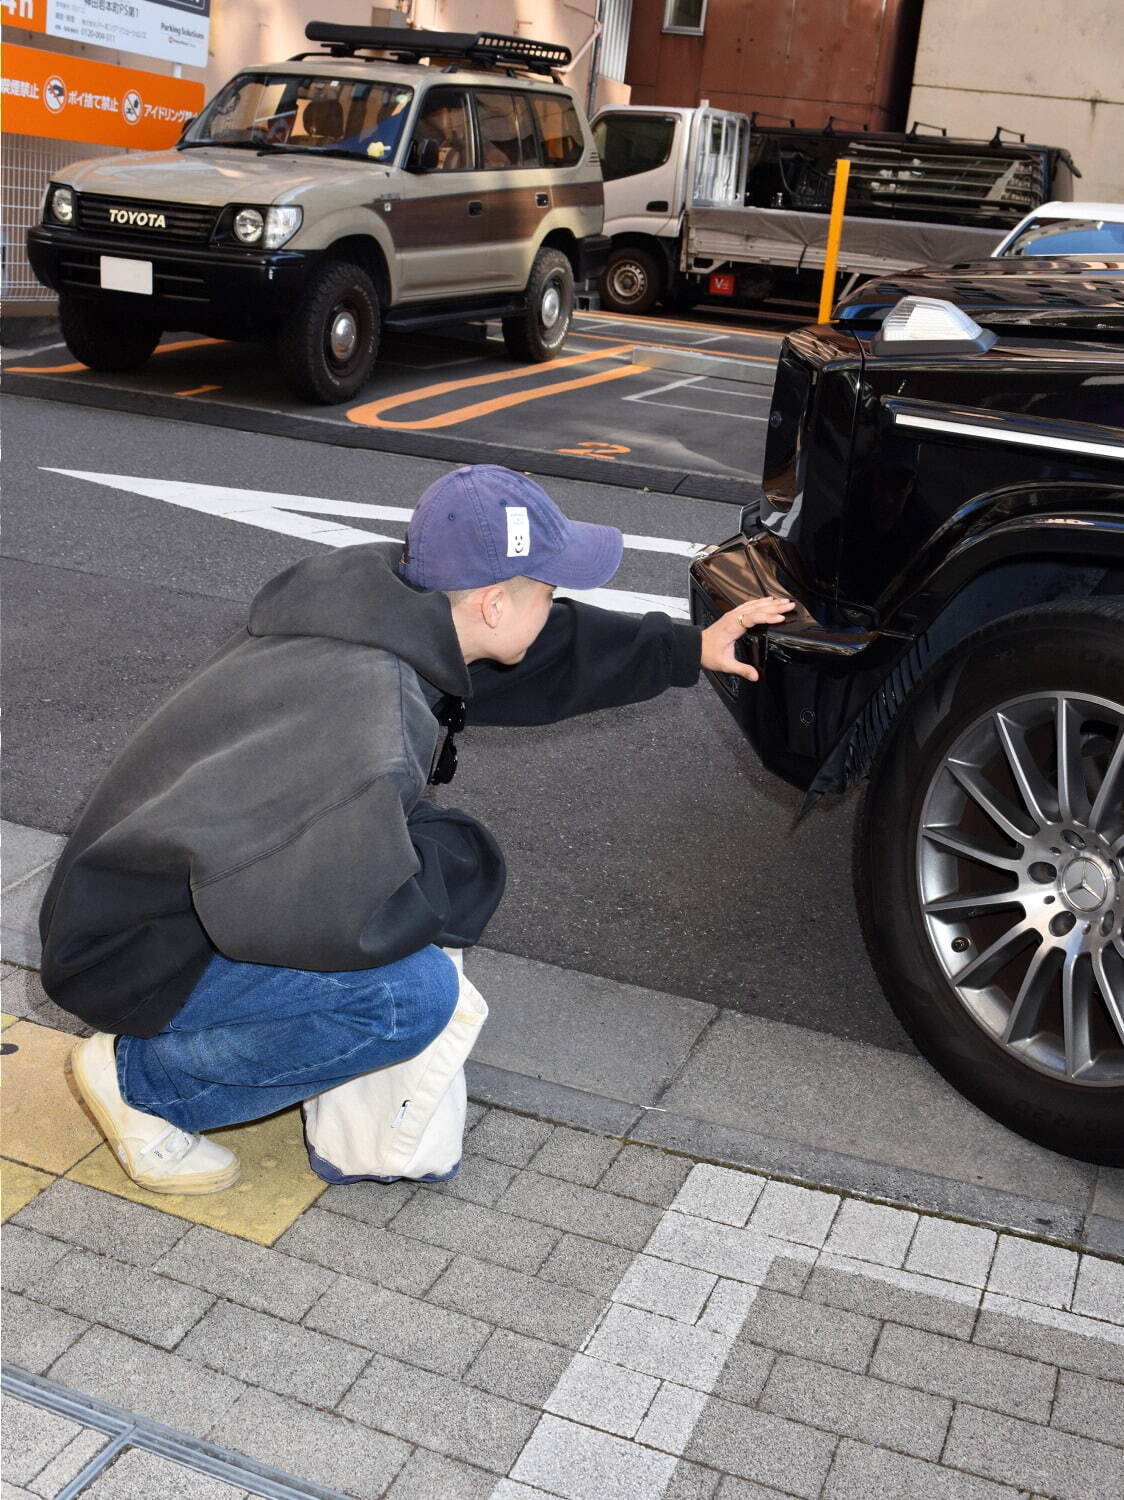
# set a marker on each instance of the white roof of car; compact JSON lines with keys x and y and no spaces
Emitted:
{"x":1114,"y":212}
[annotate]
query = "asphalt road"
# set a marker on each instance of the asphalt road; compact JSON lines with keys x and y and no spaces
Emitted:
{"x":611,"y":396}
{"x":644,"y":844}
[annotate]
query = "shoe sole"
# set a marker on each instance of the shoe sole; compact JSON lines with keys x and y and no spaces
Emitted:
{"x":194,"y":1186}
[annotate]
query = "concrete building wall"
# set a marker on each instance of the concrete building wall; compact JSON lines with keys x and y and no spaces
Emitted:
{"x":1054,"y":69}
{"x":249,"y":31}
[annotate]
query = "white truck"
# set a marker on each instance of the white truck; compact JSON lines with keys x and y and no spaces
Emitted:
{"x":709,"y":202}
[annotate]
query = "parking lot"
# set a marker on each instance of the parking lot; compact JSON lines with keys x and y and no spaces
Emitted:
{"x":679,"y":403}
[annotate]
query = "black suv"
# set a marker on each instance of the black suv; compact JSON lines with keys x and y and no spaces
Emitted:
{"x":943,"y":498}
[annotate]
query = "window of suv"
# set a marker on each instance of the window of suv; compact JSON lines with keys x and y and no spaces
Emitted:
{"x":294,"y":113}
{"x":559,"y":129}
{"x":445,"y":120}
{"x":507,"y":130}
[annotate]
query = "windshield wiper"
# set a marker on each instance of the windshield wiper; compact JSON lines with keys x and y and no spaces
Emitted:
{"x":340,"y":151}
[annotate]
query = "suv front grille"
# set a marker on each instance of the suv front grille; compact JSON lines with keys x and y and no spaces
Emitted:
{"x":183,"y":222}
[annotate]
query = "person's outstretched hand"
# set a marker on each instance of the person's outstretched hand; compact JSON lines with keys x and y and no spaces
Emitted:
{"x":718,"y":640}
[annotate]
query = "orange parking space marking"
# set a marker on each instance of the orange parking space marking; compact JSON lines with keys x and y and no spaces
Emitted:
{"x":78,"y":365}
{"x":371,"y":414}
{"x":596,"y":450}
{"x":198,"y":390}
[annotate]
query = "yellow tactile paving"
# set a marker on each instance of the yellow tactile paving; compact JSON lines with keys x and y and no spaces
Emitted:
{"x":6,"y":1020}
{"x":275,"y":1188}
{"x":18,"y":1185}
{"x":43,"y":1123}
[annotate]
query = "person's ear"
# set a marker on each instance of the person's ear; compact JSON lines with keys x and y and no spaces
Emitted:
{"x":492,"y":605}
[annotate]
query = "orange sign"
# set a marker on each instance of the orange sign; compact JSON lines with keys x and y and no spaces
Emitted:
{"x":74,"y":99}
{"x":28,"y":15}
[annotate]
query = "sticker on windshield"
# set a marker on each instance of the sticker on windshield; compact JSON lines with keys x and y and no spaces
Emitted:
{"x":518,"y":531}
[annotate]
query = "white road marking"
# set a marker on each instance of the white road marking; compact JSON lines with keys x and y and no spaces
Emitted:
{"x":10,"y":354}
{"x":288,"y":515}
{"x":647,"y":398}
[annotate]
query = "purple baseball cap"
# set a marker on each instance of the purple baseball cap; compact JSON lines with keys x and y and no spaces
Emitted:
{"x":483,"y":524}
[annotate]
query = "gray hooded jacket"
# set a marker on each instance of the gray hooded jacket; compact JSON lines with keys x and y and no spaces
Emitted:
{"x":270,"y":809}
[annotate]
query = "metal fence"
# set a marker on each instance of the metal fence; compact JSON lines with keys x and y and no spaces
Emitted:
{"x":27,"y":166}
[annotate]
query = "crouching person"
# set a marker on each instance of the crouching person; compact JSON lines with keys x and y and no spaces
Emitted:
{"x":252,"y":908}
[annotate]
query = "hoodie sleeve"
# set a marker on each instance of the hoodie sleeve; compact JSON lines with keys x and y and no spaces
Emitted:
{"x":317,"y":902}
{"x":584,"y":659}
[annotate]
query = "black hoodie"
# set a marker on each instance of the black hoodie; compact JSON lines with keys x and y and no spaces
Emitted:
{"x":270,"y":809}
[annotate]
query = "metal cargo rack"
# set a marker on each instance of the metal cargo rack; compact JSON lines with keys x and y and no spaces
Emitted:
{"x":907,"y":175}
{"x":400,"y":44}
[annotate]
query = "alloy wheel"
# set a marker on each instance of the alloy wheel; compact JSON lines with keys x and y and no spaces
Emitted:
{"x":1020,"y":870}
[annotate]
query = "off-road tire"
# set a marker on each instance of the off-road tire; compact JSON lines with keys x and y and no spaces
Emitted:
{"x":100,"y":336}
{"x":537,"y":334}
{"x":632,"y":280}
{"x":317,"y":360}
{"x":1076,"y":652}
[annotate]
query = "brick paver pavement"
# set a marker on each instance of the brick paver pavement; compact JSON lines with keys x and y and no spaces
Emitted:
{"x":572,"y":1316}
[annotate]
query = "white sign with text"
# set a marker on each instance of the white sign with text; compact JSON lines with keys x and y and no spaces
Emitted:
{"x":152,"y":28}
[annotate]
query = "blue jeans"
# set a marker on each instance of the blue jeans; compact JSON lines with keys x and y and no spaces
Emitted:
{"x":251,"y":1039}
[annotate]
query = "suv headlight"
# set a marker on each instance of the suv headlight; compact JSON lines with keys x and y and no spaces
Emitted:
{"x":270,"y":229}
{"x":280,"y":225}
{"x":248,"y":225}
{"x":60,"y":201}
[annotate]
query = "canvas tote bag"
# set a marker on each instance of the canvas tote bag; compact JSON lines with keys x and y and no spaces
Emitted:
{"x":406,"y":1120}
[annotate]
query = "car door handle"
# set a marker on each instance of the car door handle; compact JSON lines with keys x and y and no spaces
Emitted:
{"x":542,"y":200}
{"x":475,"y":206}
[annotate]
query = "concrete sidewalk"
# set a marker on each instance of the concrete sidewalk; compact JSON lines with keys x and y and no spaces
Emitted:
{"x":671,"y":1072}
{"x":587,"y":1311}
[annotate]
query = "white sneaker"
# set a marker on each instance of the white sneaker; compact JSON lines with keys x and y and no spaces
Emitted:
{"x":155,"y":1153}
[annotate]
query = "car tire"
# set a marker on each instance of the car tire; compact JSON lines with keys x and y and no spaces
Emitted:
{"x":1010,"y":976}
{"x":328,"y":343}
{"x":538,"y":333}
{"x":99,"y":336}
{"x":632,"y":280}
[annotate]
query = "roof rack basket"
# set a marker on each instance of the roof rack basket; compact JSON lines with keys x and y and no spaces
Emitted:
{"x":405,"y":45}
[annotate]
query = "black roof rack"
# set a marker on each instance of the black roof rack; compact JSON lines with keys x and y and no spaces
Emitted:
{"x":406,"y":45}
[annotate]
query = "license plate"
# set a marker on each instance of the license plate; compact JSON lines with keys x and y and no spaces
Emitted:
{"x":119,"y":275}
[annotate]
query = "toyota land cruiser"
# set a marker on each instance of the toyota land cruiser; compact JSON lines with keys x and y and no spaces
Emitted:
{"x":394,"y":178}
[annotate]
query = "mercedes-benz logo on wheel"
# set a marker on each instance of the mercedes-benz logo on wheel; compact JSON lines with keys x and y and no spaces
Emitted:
{"x":1085,"y":885}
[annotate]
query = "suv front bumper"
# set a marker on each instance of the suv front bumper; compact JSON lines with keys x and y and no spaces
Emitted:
{"x":815,"y":670}
{"x":205,"y":287}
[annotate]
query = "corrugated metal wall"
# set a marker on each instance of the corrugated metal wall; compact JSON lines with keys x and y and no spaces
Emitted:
{"x":616,"y":19}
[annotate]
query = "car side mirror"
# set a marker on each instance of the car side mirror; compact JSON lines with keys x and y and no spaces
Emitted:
{"x":187,"y":124}
{"x":424,"y":155}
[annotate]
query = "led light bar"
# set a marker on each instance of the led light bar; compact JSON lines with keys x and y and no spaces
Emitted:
{"x":402,"y":42}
